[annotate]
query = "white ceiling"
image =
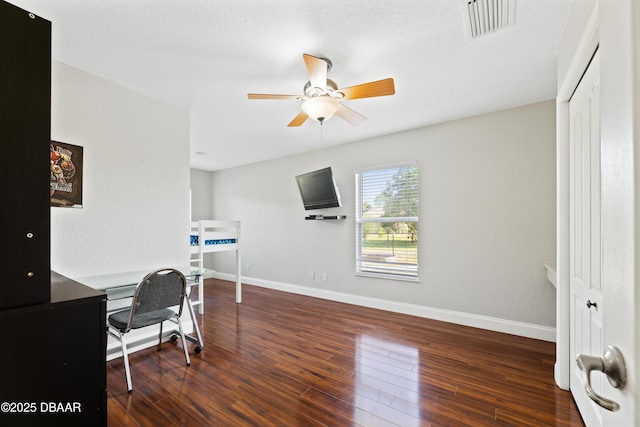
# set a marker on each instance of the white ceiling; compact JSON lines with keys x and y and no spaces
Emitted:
{"x":206,"y":55}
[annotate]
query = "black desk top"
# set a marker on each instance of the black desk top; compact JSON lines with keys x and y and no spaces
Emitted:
{"x":64,"y":289}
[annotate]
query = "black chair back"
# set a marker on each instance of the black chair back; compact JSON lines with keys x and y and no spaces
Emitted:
{"x":159,"y":289}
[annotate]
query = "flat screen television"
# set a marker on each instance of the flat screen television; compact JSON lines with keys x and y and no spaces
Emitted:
{"x":318,"y":189}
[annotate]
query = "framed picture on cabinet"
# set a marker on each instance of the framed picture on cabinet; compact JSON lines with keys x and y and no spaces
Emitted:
{"x":66,"y":175}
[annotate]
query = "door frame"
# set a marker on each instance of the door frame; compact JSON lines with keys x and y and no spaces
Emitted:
{"x":585,"y":50}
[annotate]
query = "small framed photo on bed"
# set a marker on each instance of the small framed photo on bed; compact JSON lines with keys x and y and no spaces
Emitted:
{"x":65,"y":170}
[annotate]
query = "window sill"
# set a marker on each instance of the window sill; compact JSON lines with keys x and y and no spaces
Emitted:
{"x":388,"y":277}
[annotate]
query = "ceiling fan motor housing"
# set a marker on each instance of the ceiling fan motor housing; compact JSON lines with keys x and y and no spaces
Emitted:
{"x":331,"y":89}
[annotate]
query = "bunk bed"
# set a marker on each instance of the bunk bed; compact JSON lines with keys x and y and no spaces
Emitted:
{"x":210,"y":236}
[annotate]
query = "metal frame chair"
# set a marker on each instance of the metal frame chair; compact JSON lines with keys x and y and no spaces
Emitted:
{"x":155,"y":294}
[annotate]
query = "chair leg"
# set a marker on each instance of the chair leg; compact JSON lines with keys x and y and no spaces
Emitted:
{"x":160,"y":336}
{"x":184,"y":342}
{"x":125,"y":358}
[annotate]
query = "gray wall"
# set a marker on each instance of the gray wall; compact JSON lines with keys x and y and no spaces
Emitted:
{"x":201,"y":200}
{"x":487,"y":221}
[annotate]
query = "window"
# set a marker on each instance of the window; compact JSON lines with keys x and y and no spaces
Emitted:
{"x":387,"y":222}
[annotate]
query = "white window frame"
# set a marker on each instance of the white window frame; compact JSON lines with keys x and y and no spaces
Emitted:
{"x":405,"y":274}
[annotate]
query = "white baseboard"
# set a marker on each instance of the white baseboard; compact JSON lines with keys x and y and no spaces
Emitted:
{"x":528,"y":330}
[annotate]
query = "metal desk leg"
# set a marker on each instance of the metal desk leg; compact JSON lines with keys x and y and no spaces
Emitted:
{"x":198,"y":339}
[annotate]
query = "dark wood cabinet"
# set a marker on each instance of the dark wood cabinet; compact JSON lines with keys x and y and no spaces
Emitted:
{"x":25,"y":123}
{"x":53,"y":366}
{"x":54,"y":363}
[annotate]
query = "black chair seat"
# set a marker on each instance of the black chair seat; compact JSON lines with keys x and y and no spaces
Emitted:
{"x":120,"y":320}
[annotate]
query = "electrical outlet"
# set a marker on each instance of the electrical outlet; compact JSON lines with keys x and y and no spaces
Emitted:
{"x":247,"y":267}
{"x":325,"y":277}
{"x":312,"y":275}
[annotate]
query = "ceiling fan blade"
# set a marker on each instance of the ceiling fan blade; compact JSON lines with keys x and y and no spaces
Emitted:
{"x":350,"y":116}
{"x":368,"y":90}
{"x":299,"y":119}
{"x":271,"y":96}
{"x":317,"y":69}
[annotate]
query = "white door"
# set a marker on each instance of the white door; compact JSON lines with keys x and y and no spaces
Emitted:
{"x":619,"y":27}
{"x":604,"y":221}
{"x":584,"y":235}
{"x":599,"y":256}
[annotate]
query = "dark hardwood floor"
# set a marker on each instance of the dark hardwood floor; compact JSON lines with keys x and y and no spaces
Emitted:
{"x":280,"y":359}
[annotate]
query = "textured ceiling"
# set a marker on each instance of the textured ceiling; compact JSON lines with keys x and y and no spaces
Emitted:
{"x":206,"y":55}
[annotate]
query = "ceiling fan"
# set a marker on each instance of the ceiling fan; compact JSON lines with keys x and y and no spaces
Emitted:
{"x":322,"y":98}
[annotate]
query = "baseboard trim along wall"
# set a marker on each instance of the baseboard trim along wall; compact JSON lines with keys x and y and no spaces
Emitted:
{"x":528,"y":330}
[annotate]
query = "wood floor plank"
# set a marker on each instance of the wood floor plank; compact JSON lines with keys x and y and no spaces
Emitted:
{"x":359,"y":410}
{"x":284,"y":359}
{"x":117,"y":415}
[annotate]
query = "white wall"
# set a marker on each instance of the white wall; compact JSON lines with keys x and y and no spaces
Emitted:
{"x":135,"y":211}
{"x":487,"y":221}
{"x":201,"y":186}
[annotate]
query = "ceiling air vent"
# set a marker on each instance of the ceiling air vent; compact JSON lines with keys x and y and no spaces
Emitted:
{"x":487,"y":16}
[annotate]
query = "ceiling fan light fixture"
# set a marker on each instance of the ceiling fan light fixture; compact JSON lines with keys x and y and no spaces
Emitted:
{"x":320,"y":108}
